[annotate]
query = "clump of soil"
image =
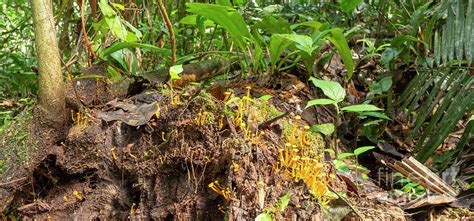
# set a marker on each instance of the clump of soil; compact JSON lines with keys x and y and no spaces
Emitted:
{"x":171,"y":168}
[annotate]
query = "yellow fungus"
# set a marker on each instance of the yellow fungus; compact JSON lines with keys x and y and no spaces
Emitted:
{"x":78,"y":195}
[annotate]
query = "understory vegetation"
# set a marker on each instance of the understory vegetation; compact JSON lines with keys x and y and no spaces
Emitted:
{"x":265,"y":110}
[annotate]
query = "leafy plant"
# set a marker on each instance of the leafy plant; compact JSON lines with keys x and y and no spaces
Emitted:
{"x":282,"y":204}
{"x":345,"y":167}
{"x":308,"y":47}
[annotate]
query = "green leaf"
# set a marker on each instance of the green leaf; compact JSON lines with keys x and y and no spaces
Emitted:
{"x":373,"y":122}
{"x":326,"y":129}
{"x":303,"y":42}
{"x":362,"y":150}
{"x":263,"y":217}
{"x":277,"y":45}
{"x":121,"y":45}
{"x":338,"y":39}
{"x":344,"y":155}
{"x":175,"y":71}
{"x":319,"y":102}
{"x":348,"y":6}
{"x":224,"y":3}
{"x":330,"y":88}
{"x":227,"y":17}
{"x":313,"y":24}
{"x":119,"y":6}
{"x":191,"y":20}
{"x":361,"y":108}
{"x":283,"y":201}
{"x":265,"y":97}
{"x":106,"y":9}
{"x":375,"y":114}
{"x":341,"y":166}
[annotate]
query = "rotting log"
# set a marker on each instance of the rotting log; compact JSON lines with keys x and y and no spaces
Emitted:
{"x":191,"y":72}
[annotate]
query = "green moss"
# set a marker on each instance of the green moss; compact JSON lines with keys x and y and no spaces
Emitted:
{"x":15,"y":143}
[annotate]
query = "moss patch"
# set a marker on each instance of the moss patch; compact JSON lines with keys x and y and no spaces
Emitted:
{"x":15,"y":143}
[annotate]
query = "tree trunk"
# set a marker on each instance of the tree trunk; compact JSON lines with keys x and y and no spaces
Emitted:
{"x":50,"y":79}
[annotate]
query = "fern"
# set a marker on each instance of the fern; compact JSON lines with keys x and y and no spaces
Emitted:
{"x":454,"y":41}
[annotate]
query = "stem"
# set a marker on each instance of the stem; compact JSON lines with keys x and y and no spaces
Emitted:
{"x":89,"y":46}
{"x":167,"y":21}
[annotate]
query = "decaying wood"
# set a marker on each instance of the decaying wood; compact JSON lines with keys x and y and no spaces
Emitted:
{"x":414,"y":170}
{"x":191,"y":72}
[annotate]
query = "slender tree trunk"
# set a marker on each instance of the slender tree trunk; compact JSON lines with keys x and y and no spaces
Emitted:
{"x":51,"y":85}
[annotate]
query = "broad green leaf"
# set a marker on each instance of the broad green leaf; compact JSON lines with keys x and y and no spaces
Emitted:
{"x":224,"y":3}
{"x":134,"y":30}
{"x":386,"y":83}
{"x":121,"y":45}
{"x":175,"y":71}
{"x":313,"y":24}
{"x":225,"y":16}
{"x":106,"y":9}
{"x":302,"y":42}
{"x":263,"y":217}
{"x":265,"y":97}
{"x":375,"y":114}
{"x":331,"y":89}
{"x":191,"y":20}
{"x":361,"y":108}
{"x":362,"y":150}
{"x":112,"y":74}
{"x":344,"y":155}
{"x":319,"y":102}
{"x":283,"y":201}
{"x":348,"y":6}
{"x":341,"y":166}
{"x":274,"y":25}
{"x":388,"y":55}
{"x":326,"y":129}
{"x":277,"y":45}
{"x":338,"y":39}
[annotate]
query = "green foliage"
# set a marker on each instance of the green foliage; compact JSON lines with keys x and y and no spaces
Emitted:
{"x":227,"y":17}
{"x":326,"y":129}
{"x":337,"y":94}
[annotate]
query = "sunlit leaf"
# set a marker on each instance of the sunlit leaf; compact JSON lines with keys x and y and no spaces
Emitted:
{"x":338,"y":39}
{"x":331,"y":89}
{"x":361,"y":150}
{"x":361,"y":108}
{"x":326,"y":129}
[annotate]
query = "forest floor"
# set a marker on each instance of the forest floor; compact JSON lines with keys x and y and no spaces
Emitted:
{"x":201,"y":154}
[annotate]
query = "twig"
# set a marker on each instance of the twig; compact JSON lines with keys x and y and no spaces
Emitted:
{"x":347,"y":202}
{"x":12,"y":182}
{"x":162,"y":8}
{"x":89,"y":46}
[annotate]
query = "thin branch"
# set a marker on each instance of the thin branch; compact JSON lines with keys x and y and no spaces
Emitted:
{"x":89,"y":46}
{"x":167,"y":21}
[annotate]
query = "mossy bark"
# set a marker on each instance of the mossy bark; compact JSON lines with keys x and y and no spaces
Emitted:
{"x":51,"y":83}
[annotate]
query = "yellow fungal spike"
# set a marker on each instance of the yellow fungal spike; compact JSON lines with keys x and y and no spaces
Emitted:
{"x":72,"y":116}
{"x":236,"y":166}
{"x":227,"y":96}
{"x":112,"y":150}
{"x":221,"y":122}
{"x":78,"y":118}
{"x":163,"y":136}
{"x":256,"y":140}
{"x":78,"y":195}
{"x":65,"y":198}
{"x":158,"y":111}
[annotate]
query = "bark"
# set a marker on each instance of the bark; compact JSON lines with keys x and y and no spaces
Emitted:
{"x":50,"y":79}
